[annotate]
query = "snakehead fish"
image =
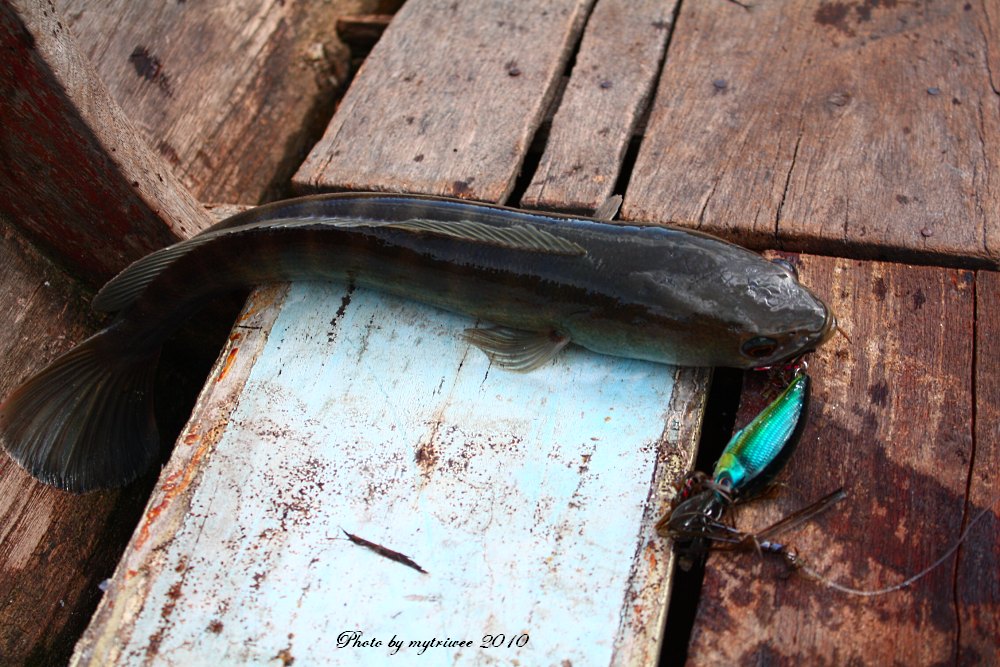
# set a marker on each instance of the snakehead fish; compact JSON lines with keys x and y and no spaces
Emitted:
{"x":660,"y":294}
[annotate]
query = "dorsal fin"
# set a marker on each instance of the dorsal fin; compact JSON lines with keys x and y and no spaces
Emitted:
{"x":517,"y":237}
{"x":122,"y":290}
{"x":609,"y":209}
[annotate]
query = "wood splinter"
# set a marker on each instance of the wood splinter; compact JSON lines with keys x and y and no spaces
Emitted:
{"x":385,"y":552}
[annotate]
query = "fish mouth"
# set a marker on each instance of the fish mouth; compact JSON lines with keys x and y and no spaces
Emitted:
{"x":805,"y":341}
{"x":829,"y":327}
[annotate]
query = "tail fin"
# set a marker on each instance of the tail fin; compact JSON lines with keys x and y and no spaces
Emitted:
{"x":86,"y":421}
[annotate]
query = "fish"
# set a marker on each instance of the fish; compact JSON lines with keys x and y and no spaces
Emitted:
{"x":660,"y":294}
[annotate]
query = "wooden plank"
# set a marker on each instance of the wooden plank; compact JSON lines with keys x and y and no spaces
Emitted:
{"x":73,"y":176}
{"x":230,"y":94}
{"x":611,"y":83}
{"x":978,"y":578}
{"x":365,"y":413}
{"x":852,"y":127}
{"x":55,"y":547}
{"x":448,"y":100}
{"x":890,"y":421}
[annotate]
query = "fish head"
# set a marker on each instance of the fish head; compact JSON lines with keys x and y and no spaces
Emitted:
{"x":777,"y":318}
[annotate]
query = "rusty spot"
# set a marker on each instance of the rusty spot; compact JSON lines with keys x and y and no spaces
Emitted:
{"x":285,"y":656}
{"x":215,"y":626}
{"x":154,"y":643}
{"x":919,"y":299}
{"x":426,"y":457}
{"x":230,"y":358}
{"x":460,"y":188}
{"x":176,"y":483}
{"x":258,"y":304}
{"x":173,"y":593}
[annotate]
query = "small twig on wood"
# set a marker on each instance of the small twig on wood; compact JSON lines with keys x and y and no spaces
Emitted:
{"x":385,"y":552}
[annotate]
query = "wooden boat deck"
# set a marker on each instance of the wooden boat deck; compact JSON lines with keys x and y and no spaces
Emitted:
{"x":858,"y":139}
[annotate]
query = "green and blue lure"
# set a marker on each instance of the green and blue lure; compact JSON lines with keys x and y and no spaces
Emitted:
{"x":753,"y":457}
{"x":761,"y":449}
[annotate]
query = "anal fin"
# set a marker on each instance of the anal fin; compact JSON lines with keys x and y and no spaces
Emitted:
{"x":515,"y":349}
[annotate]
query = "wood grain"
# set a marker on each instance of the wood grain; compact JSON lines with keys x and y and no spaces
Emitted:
{"x":55,"y":547}
{"x":611,"y":83}
{"x":855,"y":128}
{"x":448,"y":100}
{"x":73,"y":175}
{"x":978,"y":577}
{"x":890,"y":423}
{"x":230,"y":94}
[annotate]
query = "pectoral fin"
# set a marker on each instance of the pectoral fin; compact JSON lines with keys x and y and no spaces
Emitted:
{"x":517,"y":350}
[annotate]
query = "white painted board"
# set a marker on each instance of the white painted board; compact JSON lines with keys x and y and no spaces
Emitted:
{"x":528,"y":499}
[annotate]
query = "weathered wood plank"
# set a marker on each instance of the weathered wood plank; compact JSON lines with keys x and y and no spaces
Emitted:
{"x":55,"y":547}
{"x":364,"y":413}
{"x":611,"y":82}
{"x":890,"y":421}
{"x":170,"y":503}
{"x":73,"y":176}
{"x":852,"y":127}
{"x":230,"y":94}
{"x":448,"y":100}
{"x":978,"y":577}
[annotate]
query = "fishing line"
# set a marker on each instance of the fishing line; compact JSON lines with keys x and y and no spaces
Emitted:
{"x":830,"y":583}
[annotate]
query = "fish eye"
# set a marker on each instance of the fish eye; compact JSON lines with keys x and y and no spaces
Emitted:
{"x":787,"y":266}
{"x":759,"y":347}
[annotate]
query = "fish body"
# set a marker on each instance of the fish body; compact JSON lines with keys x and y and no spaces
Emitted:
{"x":653,"y":293}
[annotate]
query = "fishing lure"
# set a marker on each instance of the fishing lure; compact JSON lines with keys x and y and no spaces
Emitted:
{"x":654,"y":293}
{"x":750,"y":461}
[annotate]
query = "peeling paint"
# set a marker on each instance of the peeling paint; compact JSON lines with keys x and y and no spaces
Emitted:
{"x":500,"y":488}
